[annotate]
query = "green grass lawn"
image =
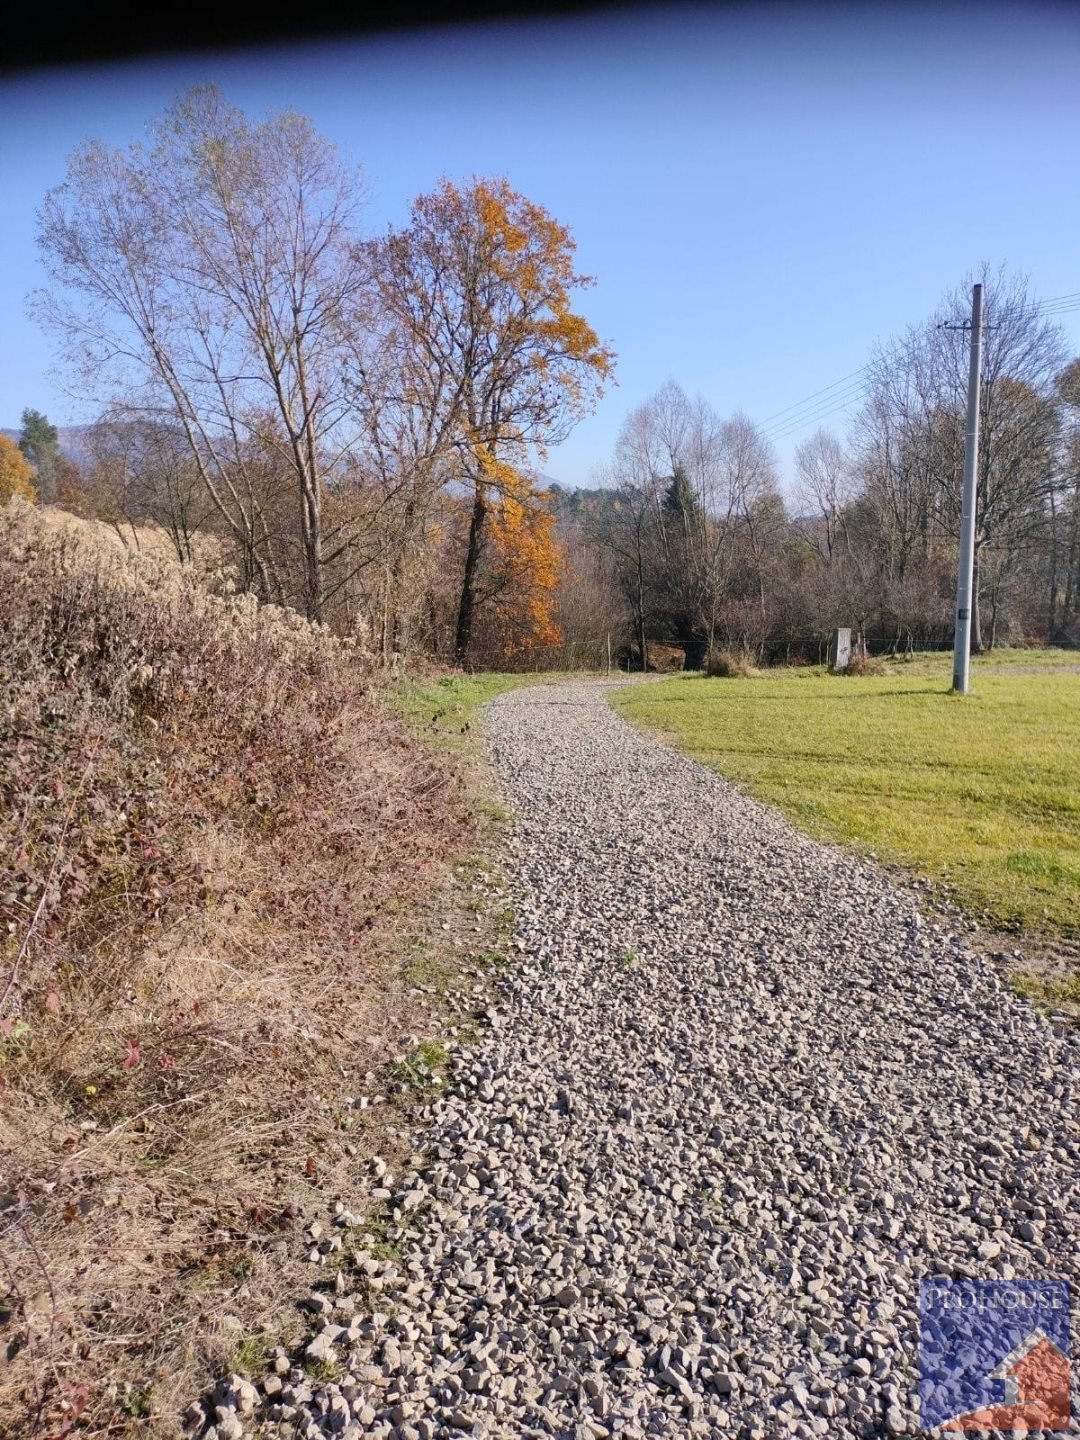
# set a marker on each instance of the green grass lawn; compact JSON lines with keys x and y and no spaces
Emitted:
{"x":980,"y":793}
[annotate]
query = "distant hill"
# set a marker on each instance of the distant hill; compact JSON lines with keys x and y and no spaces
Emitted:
{"x":75,"y":444}
{"x":580,"y":499}
{"x":74,"y":440}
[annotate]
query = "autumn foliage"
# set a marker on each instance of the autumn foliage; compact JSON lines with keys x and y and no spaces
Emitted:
{"x":16,"y":473}
{"x":528,"y":570}
{"x":524,"y":569}
{"x":482,"y":282}
{"x":330,"y":392}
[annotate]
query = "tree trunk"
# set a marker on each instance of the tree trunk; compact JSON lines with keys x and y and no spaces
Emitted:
{"x":311,"y":527}
{"x":384,"y":619}
{"x":764,"y":615}
{"x":399,"y":634}
{"x":643,"y":647}
{"x":976,"y":619}
{"x":463,"y":636}
{"x":1051,"y":629}
{"x":694,"y":649}
{"x":1072,"y":565}
{"x":399,"y":630}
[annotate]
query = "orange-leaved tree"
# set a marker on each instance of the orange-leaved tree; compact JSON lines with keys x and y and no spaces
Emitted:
{"x":16,"y":473}
{"x":523,"y":563}
{"x":482,"y":282}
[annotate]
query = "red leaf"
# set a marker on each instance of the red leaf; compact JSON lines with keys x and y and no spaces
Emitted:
{"x":134,"y":1054}
{"x":309,"y":1168}
{"x":52,"y":1001}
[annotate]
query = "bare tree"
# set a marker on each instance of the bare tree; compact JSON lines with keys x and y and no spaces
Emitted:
{"x":214,"y":276}
{"x":625,"y":528}
{"x":140,"y":470}
{"x":826,"y":487}
{"x":756,"y":516}
{"x":691,"y":523}
{"x":909,"y":437}
{"x":411,"y":423}
{"x":1064,"y":565}
{"x":907,"y":447}
{"x":591,"y":613}
{"x":1022,"y":355}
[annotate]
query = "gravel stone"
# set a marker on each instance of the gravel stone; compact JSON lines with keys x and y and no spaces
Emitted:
{"x":736,"y":1097}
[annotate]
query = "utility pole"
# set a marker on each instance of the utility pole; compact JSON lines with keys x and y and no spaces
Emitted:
{"x":964,"y":597}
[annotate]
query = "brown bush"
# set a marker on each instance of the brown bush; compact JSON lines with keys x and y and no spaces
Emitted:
{"x":729,"y":664}
{"x":860,"y":664}
{"x":207,"y":829}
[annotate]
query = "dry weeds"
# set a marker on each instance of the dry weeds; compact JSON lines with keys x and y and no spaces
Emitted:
{"x":730,"y":664}
{"x":215,"y":846}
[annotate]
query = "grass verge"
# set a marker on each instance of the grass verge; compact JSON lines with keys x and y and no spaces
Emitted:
{"x":443,"y":711}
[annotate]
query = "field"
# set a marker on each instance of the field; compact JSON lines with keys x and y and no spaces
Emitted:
{"x":981,"y":794}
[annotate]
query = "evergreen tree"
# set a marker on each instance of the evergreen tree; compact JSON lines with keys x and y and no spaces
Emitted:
{"x":681,"y":502}
{"x":683,"y":531}
{"x":40,"y":443}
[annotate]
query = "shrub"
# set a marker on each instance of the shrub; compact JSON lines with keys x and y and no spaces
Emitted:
{"x":205,"y":826}
{"x":864,"y":665}
{"x":729,"y":664}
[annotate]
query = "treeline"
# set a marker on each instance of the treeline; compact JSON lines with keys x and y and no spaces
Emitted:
{"x":357,"y":423}
{"x":354,"y":419}
{"x":689,"y":543}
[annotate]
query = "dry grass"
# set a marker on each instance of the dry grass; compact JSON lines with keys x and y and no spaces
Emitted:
{"x":730,"y":665}
{"x":863,"y":665}
{"x":148,"y":540}
{"x":214,"y":843}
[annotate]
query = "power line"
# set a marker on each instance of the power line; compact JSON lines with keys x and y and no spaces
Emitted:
{"x":1069,"y":301}
{"x":822,"y":391}
{"x":842,"y":401}
{"x":846,"y":391}
{"x":814,"y":409}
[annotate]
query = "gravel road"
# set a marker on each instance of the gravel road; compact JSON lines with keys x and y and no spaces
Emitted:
{"x":738,"y":1097}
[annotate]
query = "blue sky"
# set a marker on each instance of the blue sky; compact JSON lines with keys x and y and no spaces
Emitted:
{"x":760,"y":194}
